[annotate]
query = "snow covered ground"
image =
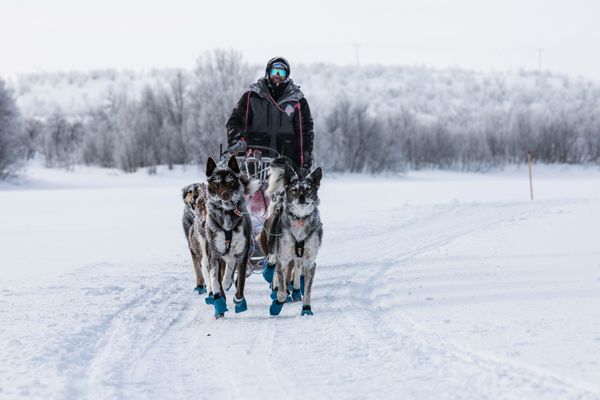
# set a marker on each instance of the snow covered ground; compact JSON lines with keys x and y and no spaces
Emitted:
{"x":432,"y":285}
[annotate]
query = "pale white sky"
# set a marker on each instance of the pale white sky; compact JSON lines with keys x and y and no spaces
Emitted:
{"x":141,"y":34}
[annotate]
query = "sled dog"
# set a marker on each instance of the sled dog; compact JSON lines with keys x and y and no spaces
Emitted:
{"x":228,"y":231}
{"x":292,"y":233}
{"x":194,"y":198}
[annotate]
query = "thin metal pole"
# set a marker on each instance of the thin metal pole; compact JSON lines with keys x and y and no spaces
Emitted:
{"x":539,"y":51}
{"x":530,"y":178}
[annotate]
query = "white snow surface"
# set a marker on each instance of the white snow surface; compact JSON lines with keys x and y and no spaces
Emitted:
{"x":429,"y":285}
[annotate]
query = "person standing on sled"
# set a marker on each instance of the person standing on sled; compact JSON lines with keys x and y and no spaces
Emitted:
{"x":274,"y":113}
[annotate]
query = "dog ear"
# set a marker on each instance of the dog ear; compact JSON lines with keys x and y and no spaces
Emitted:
{"x":316,"y":176}
{"x":211,"y":165}
{"x":233,"y":165}
{"x":289,"y":175}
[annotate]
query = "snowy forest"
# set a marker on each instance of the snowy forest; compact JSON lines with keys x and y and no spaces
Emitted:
{"x":367,"y":118}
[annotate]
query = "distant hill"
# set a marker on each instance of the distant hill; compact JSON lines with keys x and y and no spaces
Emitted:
{"x":387,"y":117}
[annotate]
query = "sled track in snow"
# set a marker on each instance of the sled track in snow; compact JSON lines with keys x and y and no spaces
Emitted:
{"x":113,"y":319}
{"x":140,"y":332}
{"x":415,"y":357}
{"x":247,"y":355}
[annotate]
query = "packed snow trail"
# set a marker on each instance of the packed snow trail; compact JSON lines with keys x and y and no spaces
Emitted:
{"x":389,"y":317}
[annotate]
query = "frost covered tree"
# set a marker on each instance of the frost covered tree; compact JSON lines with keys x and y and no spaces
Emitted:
{"x":61,"y":141}
{"x":220,"y":77}
{"x":367,"y":118}
{"x":12,"y":146}
{"x":99,"y":143}
{"x":175,"y":106}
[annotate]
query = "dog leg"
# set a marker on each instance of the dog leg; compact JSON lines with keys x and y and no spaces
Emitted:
{"x":222,"y":266}
{"x":196,"y":253}
{"x":205,"y":267}
{"x":207,"y":278}
{"x":288,"y":275}
{"x":309,"y":274}
{"x":228,"y":275}
{"x":279,"y":301}
{"x":296,"y":295}
{"x":219,"y":301}
{"x":238,"y":299}
{"x":200,"y":286}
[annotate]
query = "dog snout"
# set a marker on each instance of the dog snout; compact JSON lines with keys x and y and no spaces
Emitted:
{"x":302,"y":199}
{"x":226,"y":195}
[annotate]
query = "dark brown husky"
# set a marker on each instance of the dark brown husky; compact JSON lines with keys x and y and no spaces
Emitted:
{"x":228,"y":231}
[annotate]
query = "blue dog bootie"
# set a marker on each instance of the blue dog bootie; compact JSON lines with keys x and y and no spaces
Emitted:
{"x":220,"y":305}
{"x":240,"y":305}
{"x":268,"y":272}
{"x":209,"y":299}
{"x":296,"y":296}
{"x":200,"y":289}
{"x":306,"y":310}
{"x":276,"y":307}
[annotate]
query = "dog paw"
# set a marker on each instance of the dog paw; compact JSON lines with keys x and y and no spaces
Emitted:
{"x":209,"y":299}
{"x":200,"y":289}
{"x":268,"y":273}
{"x":240,"y":305}
{"x":296,"y":296}
{"x":306,"y":310}
{"x":276,"y":307}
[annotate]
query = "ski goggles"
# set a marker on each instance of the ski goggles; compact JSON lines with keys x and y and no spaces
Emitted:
{"x":279,"y":71}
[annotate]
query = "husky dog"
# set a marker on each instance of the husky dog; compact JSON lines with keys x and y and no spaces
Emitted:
{"x":228,"y":231}
{"x":292,"y":233}
{"x":194,"y":199}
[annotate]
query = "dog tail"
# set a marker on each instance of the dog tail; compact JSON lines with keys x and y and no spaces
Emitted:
{"x":279,"y":172}
{"x":275,"y":180}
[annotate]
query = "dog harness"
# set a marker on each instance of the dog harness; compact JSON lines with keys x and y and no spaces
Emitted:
{"x":299,"y":244}
{"x":228,"y":236}
{"x":299,"y":247}
{"x":229,"y":233}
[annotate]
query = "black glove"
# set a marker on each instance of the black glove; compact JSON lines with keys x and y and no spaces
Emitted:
{"x":234,"y":136}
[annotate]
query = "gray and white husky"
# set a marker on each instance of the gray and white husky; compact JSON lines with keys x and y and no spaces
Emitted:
{"x":228,"y":231}
{"x":292,"y":233}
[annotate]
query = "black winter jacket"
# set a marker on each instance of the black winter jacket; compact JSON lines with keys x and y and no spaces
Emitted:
{"x":274,"y":122}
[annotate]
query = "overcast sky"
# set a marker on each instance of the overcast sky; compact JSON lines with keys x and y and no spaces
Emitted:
{"x":141,"y":34}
